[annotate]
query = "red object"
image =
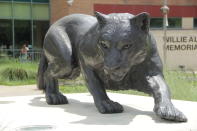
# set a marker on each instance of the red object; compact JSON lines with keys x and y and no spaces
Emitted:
{"x":154,"y":10}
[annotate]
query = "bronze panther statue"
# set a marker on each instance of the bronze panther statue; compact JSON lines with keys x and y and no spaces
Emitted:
{"x":114,"y":51}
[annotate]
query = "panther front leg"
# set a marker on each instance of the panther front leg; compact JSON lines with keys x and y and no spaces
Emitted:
{"x":52,"y":94}
{"x":101,"y":100}
{"x":163,"y":105}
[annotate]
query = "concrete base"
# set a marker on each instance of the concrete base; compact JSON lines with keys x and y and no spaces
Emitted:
{"x":23,"y":112}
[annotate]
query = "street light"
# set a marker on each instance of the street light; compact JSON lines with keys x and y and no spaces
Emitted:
{"x":165,"y":10}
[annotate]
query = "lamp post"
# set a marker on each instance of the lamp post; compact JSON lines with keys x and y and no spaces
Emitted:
{"x":165,"y":9}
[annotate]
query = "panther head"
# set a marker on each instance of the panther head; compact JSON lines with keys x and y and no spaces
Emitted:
{"x":123,"y":42}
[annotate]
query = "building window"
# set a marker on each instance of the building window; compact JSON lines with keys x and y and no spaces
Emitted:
{"x":174,"y":23}
{"x":195,"y":22}
{"x":38,"y":1}
{"x":22,"y":22}
{"x":156,"y":23}
{"x":41,"y":1}
{"x":40,"y":11}
{"x":5,"y":10}
{"x":39,"y":28}
{"x":6,"y":0}
{"x":22,"y":30}
{"x":22,"y":11}
{"x":22,"y":0}
{"x":5,"y":34}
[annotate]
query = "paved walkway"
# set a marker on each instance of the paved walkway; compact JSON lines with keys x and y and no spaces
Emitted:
{"x":6,"y":91}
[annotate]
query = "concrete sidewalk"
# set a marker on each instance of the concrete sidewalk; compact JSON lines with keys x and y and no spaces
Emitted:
{"x":20,"y":113}
{"x":24,"y":90}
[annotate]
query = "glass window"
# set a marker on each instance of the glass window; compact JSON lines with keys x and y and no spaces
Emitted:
{"x":22,"y":0}
{"x":22,"y":11}
{"x":5,"y":37}
{"x":22,"y":33}
{"x":40,"y":29}
{"x":195,"y":22}
{"x":41,"y":1}
{"x":40,"y":11}
{"x":6,"y":0}
{"x":5,"y":10}
{"x":174,"y":22}
{"x":156,"y":23}
{"x":5,"y":34}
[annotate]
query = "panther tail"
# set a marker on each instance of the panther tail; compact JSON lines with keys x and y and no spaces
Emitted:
{"x":41,"y":69}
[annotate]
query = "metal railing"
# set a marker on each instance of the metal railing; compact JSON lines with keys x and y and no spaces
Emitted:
{"x":32,"y":54}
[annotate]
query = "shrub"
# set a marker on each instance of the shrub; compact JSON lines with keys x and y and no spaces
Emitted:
{"x":14,"y":74}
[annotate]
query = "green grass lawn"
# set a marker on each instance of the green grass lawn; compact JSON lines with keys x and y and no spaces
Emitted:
{"x":183,"y":86}
{"x":29,"y":67}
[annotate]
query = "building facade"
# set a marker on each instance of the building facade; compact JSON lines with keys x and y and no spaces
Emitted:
{"x":28,"y":20}
{"x":23,"y":22}
{"x":182,"y":18}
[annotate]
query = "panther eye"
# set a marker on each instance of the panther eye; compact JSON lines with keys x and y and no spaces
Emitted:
{"x":126,"y":46}
{"x":104,"y":44}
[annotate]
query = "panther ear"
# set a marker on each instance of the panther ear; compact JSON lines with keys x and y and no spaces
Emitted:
{"x":102,"y":18}
{"x":142,"y":21}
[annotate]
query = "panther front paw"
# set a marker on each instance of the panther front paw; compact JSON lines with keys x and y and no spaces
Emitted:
{"x":56,"y":99}
{"x":169,"y":112}
{"x":108,"y":106}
